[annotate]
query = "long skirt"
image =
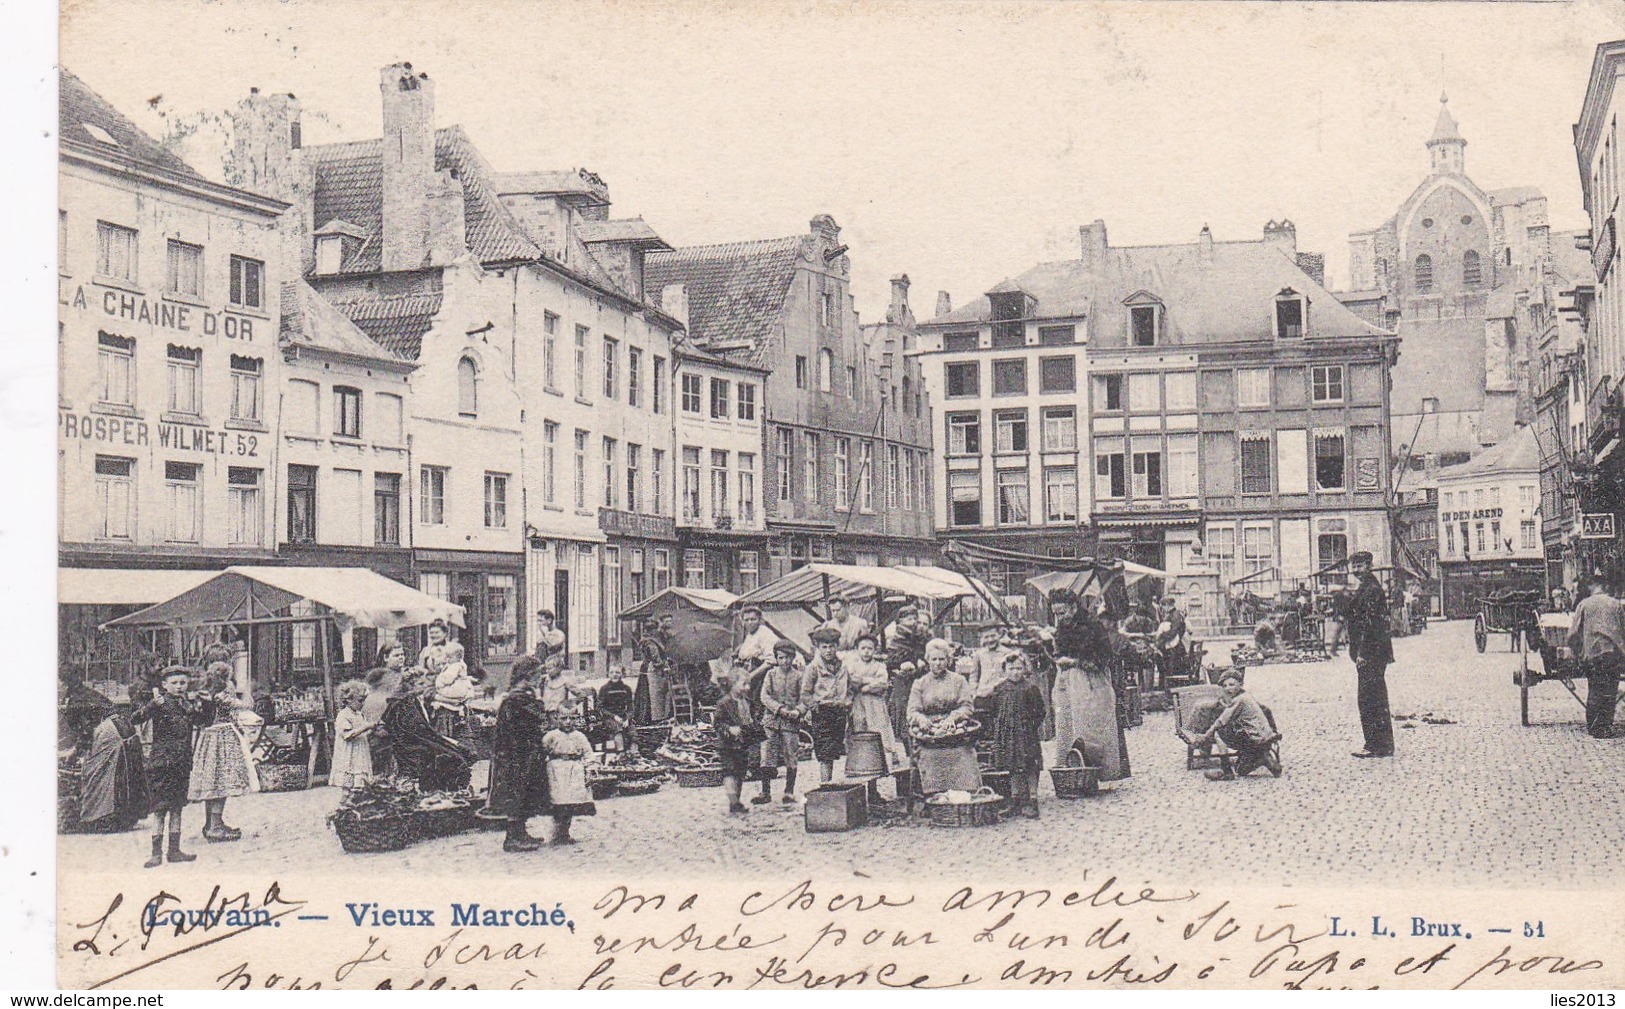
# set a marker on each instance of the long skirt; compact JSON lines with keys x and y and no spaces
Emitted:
{"x":829,"y":732}
{"x":942,"y":768}
{"x":450,"y":722}
{"x":220,"y":770}
{"x":567,"y":785}
{"x":113,"y":789}
{"x":870,"y":713}
{"x":1086,"y":710}
{"x":897,"y":705}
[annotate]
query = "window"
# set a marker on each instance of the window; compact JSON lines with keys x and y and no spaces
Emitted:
{"x":1526,"y":497}
{"x":468,"y":388}
{"x":1180,"y":390}
{"x":657,"y":396}
{"x":634,"y":465}
{"x":329,"y":253}
{"x":1332,"y":544}
{"x":1144,"y":394}
{"x":115,"y":252}
{"x":657,"y":481}
{"x":719,"y":398}
{"x":1289,"y":315}
{"x":1061,"y":494}
{"x":550,"y":461}
{"x":1329,"y":462}
{"x":496,"y":500}
{"x":866,"y":481}
{"x":1424,"y":274}
{"x":843,"y":473}
{"x":1496,"y":543}
{"x":1257,"y":547}
{"x":581,"y":362}
{"x":1060,"y":429}
{"x":1526,"y":534}
{"x":1110,"y":477}
{"x":184,"y":394}
{"x":386,"y":419}
{"x":1253,"y":387}
{"x":1472,"y":274}
{"x":346,"y":411}
{"x":964,"y":434}
{"x":611,"y":376}
{"x":1147,"y":465}
{"x":1449,"y":540}
{"x":1057,"y":374}
{"x":782,"y":461}
{"x":826,"y":309}
{"x":115,"y":497}
{"x":611,"y":477}
{"x":184,"y":500}
{"x":248,"y":282}
{"x":115,"y":369}
{"x":955,"y":343}
{"x":1495,"y":497}
{"x":962,"y":379}
{"x":550,"y":351}
{"x":964,"y":498}
{"x":1012,"y":484}
{"x":634,"y":377}
{"x":245,"y":387}
{"x":852,"y":382}
{"x":750,"y":574}
{"x":1010,"y":430}
{"x":1326,"y":383}
{"x":1010,"y":378}
{"x":386,"y":509}
{"x":1143,"y":325}
{"x":1221,"y":551}
{"x":1255,"y":464}
{"x":747,"y":486}
{"x":1182,"y":466}
{"x":894,"y":476}
{"x":243,"y":501}
{"x":693,"y":387}
{"x":1057,"y":336}
{"x":1108,"y":393}
{"x":639,"y":580}
{"x":826,"y":370}
{"x":662,"y":580}
{"x":801,"y":371}
{"x":691,"y":483}
{"x":1479,"y":529}
{"x":693,"y":569}
{"x":502,"y":614}
{"x":301,"y":504}
{"x":185,"y":276}
{"x":747,"y":400}
{"x":719,"y":486}
{"x":432,"y":495}
{"x":811,"y":461}
{"x":302,"y":413}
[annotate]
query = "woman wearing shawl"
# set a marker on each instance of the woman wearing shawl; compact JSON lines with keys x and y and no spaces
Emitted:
{"x":518,"y":762}
{"x":422,"y":754}
{"x":113,"y":782}
{"x":1085,"y":702}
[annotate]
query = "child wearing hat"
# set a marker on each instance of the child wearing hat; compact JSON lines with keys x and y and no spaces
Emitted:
{"x":826,"y":693}
{"x":172,"y":715}
{"x":1246,"y":727}
{"x":738,"y":732}
{"x":782,"y":716}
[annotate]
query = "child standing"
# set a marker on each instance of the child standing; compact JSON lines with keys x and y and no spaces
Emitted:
{"x":737,"y":735}
{"x":352,"y":746}
{"x":452,"y":689}
{"x":220,"y":761}
{"x":1018,"y":724}
{"x":169,"y":767}
{"x":567,"y":748}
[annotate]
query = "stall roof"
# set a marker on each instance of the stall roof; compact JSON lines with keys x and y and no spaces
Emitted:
{"x":358,"y":596}
{"x":123,"y":586}
{"x":670,"y":599}
{"x":854,"y":581}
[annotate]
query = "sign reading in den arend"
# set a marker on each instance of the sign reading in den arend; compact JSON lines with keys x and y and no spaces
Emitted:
{"x":489,"y":559}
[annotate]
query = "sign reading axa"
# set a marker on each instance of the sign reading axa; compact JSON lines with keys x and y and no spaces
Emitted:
{"x":176,"y":315}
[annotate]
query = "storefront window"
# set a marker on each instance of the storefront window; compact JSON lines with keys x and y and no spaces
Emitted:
{"x":501,"y":615}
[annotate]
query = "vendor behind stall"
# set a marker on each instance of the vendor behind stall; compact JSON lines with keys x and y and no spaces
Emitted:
{"x":434,"y":761}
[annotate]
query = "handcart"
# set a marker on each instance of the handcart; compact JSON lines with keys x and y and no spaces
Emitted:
{"x":1511,"y":612}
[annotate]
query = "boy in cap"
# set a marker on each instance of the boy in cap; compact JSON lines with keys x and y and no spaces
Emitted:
{"x":782,"y":716}
{"x":827,"y":697}
{"x":169,"y":763}
{"x":1245,"y":727}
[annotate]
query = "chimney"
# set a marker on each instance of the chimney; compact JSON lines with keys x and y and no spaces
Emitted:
{"x":408,"y":165}
{"x":1092,"y":237}
{"x":1204,"y":241}
{"x":945,"y":304}
{"x":447,"y":239}
{"x":674,"y":302}
{"x":1283,"y":236}
{"x":266,"y":157}
{"x":898,"y":310}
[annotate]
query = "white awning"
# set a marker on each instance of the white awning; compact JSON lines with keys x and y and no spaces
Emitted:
{"x":857,"y":581}
{"x":359,"y":597}
{"x":124,"y":586}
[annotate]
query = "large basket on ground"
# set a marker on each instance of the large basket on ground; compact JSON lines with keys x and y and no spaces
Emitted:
{"x":652,"y":737}
{"x":981,"y":811}
{"x":603,"y":788}
{"x":1075,"y":782}
{"x":378,"y":833}
{"x":699,"y":777}
{"x":283,"y":777}
{"x":645,"y":787}
{"x":965,"y":733}
{"x":430,"y":823}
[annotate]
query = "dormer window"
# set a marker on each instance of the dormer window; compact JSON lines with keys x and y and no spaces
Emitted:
{"x":1142,"y":323}
{"x":1009,"y":310}
{"x":329,"y":253}
{"x":99,"y":135}
{"x":1290,"y":310}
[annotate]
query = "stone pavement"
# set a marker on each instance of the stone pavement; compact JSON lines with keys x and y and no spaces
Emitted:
{"x":1482,"y":801}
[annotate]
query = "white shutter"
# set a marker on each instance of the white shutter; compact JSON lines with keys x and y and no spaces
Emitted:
{"x":1292,"y":456}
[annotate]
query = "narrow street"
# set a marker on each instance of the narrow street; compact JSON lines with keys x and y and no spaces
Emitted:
{"x":1475,"y":801}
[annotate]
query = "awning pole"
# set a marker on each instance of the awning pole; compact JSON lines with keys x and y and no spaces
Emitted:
{"x":322,"y":627}
{"x":827,"y":614}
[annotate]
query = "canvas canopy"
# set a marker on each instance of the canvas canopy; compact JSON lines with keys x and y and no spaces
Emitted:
{"x":677,"y":600}
{"x":123,"y":587}
{"x":810,"y":584}
{"x":354,"y":597}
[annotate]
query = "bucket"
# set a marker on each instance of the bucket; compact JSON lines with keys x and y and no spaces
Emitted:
{"x":865,"y":756}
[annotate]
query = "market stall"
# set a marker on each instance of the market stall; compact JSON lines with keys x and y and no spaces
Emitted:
{"x":798,"y":602}
{"x":257,"y":606}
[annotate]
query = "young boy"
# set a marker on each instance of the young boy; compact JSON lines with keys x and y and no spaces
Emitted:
{"x":169,"y":765}
{"x":737,"y":734}
{"x":1245,"y":728}
{"x":782,"y":717}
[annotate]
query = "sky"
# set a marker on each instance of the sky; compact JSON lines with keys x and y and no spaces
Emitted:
{"x":956,"y":142}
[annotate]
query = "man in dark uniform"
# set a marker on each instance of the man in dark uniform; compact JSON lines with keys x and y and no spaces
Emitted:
{"x":1372,"y":649}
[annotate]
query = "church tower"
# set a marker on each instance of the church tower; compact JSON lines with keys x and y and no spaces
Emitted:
{"x":1446,"y":147}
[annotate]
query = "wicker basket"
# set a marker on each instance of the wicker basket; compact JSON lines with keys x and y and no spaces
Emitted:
{"x":603,"y":788}
{"x":283,"y":777}
{"x":648,"y":786}
{"x":652,"y":737}
{"x":699,"y":777}
{"x":67,"y":801}
{"x":428,"y":823}
{"x":379,"y":833}
{"x":1075,"y":782}
{"x":982,"y":811}
{"x":967,"y":733}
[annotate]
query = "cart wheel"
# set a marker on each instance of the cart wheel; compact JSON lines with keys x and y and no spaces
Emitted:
{"x":1480,"y":633}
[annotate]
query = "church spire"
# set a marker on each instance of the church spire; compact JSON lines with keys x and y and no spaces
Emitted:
{"x":1447,"y":147}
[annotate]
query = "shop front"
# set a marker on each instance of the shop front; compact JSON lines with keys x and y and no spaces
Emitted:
{"x":635,"y":546}
{"x":1464,"y":583}
{"x":489,"y":587}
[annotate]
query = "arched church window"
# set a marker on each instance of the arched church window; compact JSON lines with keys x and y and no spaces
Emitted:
{"x":1424,"y":274}
{"x":1472,"y":274}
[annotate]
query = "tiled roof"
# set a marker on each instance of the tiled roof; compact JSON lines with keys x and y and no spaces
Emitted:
{"x":1225,"y":298}
{"x":1571,"y":265}
{"x":689,"y":352}
{"x":397,"y":322}
{"x":1514,"y":195}
{"x":552,"y":183}
{"x":633,"y":229}
{"x":1519,"y":453}
{"x":735,"y":291}
{"x":309,"y":320}
{"x":78,"y":106}
{"x":349,"y":187}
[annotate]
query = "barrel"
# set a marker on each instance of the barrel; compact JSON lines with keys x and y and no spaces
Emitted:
{"x":865,"y":756}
